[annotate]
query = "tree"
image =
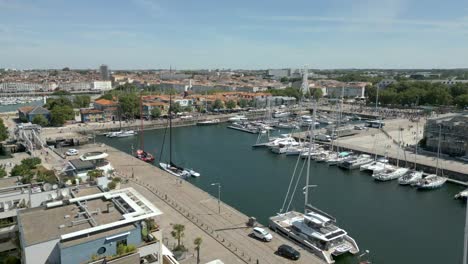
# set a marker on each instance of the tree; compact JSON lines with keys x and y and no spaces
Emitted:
{"x":316,"y":93}
{"x":198,"y":241}
{"x":31,"y":163}
{"x":284,"y":79}
{"x":289,"y":91}
{"x":111,"y":185}
{"x":129,"y":104}
{"x":82,"y":101}
{"x":175,"y":108}
{"x":218,"y":104}
{"x":93,"y":174}
{"x":243,"y":103}
{"x":60,"y":114}
{"x":3,"y":131}
{"x":107,"y":96}
{"x":155,"y":112}
{"x":231,"y":104}
{"x":461,"y":101}
{"x":178,"y":233}
{"x":40,"y":120}
{"x":3,"y":172}
{"x":188,"y":109}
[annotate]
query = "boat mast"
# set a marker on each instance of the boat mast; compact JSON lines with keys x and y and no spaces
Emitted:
{"x":438,"y":150}
{"x":311,"y":136}
{"x":170,"y":128}
{"x":141,"y":124}
{"x":416,"y":146}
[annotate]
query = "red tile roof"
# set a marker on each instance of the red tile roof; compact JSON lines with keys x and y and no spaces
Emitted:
{"x":105,"y":102}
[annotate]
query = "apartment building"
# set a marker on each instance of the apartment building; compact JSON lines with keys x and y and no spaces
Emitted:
{"x":107,"y":227}
{"x":453,"y":135}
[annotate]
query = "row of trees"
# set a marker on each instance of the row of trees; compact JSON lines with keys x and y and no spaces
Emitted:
{"x":3,"y":130}
{"x":420,"y":93}
{"x":61,"y":110}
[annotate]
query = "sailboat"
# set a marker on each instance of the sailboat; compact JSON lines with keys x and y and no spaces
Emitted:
{"x":170,"y":166}
{"x":141,"y":154}
{"x":414,"y":175}
{"x":392,"y":174}
{"x":314,"y":229}
{"x":433,"y":181}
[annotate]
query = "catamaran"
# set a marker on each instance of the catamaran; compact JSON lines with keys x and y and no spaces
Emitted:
{"x":170,"y":166}
{"x":314,"y":229}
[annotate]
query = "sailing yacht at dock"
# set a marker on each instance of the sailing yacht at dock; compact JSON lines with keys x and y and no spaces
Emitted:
{"x":314,"y":229}
{"x":170,"y":166}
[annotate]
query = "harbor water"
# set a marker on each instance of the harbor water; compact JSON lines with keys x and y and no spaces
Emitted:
{"x":397,"y":224}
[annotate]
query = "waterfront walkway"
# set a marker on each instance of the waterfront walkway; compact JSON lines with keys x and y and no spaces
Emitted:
{"x":200,"y":209}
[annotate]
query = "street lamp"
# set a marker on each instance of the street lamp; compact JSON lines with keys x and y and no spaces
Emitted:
{"x":219,"y":195}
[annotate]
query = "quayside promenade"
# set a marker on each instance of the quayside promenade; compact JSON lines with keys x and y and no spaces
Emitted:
{"x":225,"y":235}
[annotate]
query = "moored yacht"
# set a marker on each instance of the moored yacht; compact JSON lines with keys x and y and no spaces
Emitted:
{"x":430,"y":182}
{"x":351,"y":164}
{"x":392,"y":175}
{"x":122,"y":133}
{"x":237,"y":118}
{"x":375,"y":166}
{"x":280,"y":114}
{"x":410,"y":178}
{"x":208,"y":122}
{"x":338,"y":158}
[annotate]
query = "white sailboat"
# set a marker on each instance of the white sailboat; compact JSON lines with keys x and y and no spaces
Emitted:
{"x":170,"y":166}
{"x":413,"y":176}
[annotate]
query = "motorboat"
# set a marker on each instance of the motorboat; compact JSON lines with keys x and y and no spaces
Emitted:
{"x":122,"y":133}
{"x":208,"y":122}
{"x":392,"y":175}
{"x":245,"y":127}
{"x":288,"y":125}
{"x":410,"y":178}
{"x":375,"y":166}
{"x":284,"y":139}
{"x":338,"y":158}
{"x":238,"y":118}
{"x":282,"y":148}
{"x":430,"y":182}
{"x":94,"y":155}
{"x":351,"y":164}
{"x":462,"y":195}
{"x":144,"y":156}
{"x":281,"y":114}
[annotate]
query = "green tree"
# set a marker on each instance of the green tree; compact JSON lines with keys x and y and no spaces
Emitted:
{"x":218,"y":104}
{"x":93,"y":174}
{"x":3,"y":131}
{"x":243,"y":103}
{"x":178,"y":233}
{"x":461,"y":101}
{"x":107,"y":96}
{"x":316,"y":93}
{"x":197,"y":242}
{"x":31,"y":163}
{"x":188,"y":109}
{"x":111,"y":185}
{"x":129,"y":104}
{"x":60,"y":114}
{"x":21,"y":170}
{"x":231,"y":104}
{"x":284,"y":79}
{"x":82,"y":101}
{"x":40,"y":120}
{"x":175,"y":108}
{"x":155,"y":112}
{"x":289,"y":91}
{"x":3,"y":172}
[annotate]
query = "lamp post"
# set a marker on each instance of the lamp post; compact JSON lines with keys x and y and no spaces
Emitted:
{"x":219,"y":195}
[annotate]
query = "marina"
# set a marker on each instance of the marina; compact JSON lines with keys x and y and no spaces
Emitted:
{"x":363,"y":195}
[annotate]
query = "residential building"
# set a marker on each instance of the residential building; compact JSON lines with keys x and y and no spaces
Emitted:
{"x":87,"y":162}
{"x":110,"y":108}
{"x":149,"y":106}
{"x":94,"y":228}
{"x":449,"y":82}
{"x":105,"y":74}
{"x":348,"y":90}
{"x":453,"y":135}
{"x":16,"y":88}
{"x":278,"y":73}
{"x":27,"y":113}
{"x":75,"y":86}
{"x":92,"y":115}
{"x":101,"y":85}
{"x":14,"y":195}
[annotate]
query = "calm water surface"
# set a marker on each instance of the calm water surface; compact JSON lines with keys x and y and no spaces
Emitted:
{"x":397,"y":224}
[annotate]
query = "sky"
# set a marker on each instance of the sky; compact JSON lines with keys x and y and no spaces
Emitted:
{"x":242,"y":34}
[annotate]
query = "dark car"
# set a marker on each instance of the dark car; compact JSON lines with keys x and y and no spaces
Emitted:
{"x":288,"y":252}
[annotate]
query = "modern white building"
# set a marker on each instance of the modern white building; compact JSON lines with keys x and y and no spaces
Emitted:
{"x":75,"y":86}
{"x":105,"y":227}
{"x":101,"y":85}
{"x":20,"y":87}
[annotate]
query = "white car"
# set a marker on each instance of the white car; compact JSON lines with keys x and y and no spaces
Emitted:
{"x":71,"y":152}
{"x":262,"y":234}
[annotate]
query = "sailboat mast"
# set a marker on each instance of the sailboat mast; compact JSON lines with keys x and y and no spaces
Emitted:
{"x":438,"y":149}
{"x":311,"y":136}
{"x":170,"y":128}
{"x":416,"y":146}
{"x":141,"y":124}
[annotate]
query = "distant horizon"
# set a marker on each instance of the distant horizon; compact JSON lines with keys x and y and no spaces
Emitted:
{"x":241,"y":34}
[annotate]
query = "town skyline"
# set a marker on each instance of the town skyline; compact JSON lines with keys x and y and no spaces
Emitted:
{"x":145,"y":34}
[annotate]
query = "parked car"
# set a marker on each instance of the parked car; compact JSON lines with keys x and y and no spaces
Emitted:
{"x":288,"y":252}
{"x":71,"y":152}
{"x":358,"y":128}
{"x":262,"y":234}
